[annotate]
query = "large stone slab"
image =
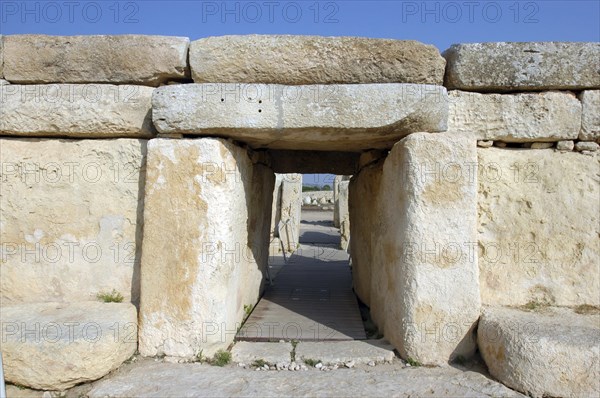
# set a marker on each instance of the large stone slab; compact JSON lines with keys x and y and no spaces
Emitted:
{"x":553,"y":353}
{"x":122,"y":59}
{"x":160,"y":379}
{"x":76,"y":110}
{"x":71,"y":218}
{"x":54,"y":346}
{"x":314,"y":60}
{"x":247,"y":352}
{"x":538,"y":227}
{"x":590,"y":117}
{"x":522,"y":66}
{"x":317,"y":117}
{"x":548,"y":116}
{"x":342,"y":352}
{"x":206,"y":235}
{"x":424,"y":293}
{"x":435,"y":297}
{"x":365,"y":212}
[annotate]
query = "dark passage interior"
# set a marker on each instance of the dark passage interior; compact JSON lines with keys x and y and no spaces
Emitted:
{"x":311,"y":298}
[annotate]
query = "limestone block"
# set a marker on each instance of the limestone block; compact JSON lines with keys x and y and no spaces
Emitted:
{"x":54,"y":346}
{"x":121,"y":59}
{"x":70,"y":218}
{"x":276,"y":205}
{"x":3,"y":82}
{"x":583,"y":146}
{"x":590,"y":117}
{"x":205,"y":244}
{"x":365,"y":211}
{"x":318,"y":117}
{"x":294,"y":60}
{"x":528,"y":252}
{"x":344,"y":216}
{"x":76,"y":110}
{"x":247,"y":352}
{"x":424,"y":279}
{"x":548,"y":116}
{"x":565,"y":145}
{"x":522,"y":66}
{"x":291,"y":204}
{"x":336,"y":209}
{"x":552,"y":353}
{"x":341,"y":352}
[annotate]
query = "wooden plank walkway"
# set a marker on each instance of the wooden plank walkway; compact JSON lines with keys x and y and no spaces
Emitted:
{"x":312,"y":297}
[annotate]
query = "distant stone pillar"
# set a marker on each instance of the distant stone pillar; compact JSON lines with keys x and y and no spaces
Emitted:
{"x":343,"y":214}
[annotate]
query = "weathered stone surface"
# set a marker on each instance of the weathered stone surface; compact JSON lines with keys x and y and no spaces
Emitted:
{"x":53,"y":346}
{"x":522,"y":66}
{"x":553,"y":353}
{"x":247,"y":352}
{"x":71,"y":218}
{"x":291,"y":204}
{"x":343,"y":214}
{"x":314,"y":60}
{"x":123,"y":59}
{"x":3,"y":82}
{"x":548,"y":116}
{"x":287,"y":202}
{"x":340,"y":352}
{"x":582,"y":146}
{"x":76,"y":110}
{"x":208,"y":194}
{"x":527,"y":253}
{"x":565,"y":145}
{"x":424,"y":292}
{"x":364,"y":216}
{"x":319,"y":117}
{"x":590,"y":116}
{"x":309,"y":162}
{"x":426,"y":212}
{"x":156,"y":379}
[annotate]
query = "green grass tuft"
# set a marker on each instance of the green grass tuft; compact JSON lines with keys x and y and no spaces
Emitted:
{"x":221,"y":358}
{"x":112,"y":297}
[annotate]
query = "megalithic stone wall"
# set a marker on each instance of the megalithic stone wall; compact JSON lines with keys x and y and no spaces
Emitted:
{"x":76,"y":114}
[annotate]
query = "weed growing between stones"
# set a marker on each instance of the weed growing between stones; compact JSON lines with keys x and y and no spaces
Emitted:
{"x":413,"y":362}
{"x":312,"y":362}
{"x":259,"y":363}
{"x":111,"y":297}
{"x":221,"y":358}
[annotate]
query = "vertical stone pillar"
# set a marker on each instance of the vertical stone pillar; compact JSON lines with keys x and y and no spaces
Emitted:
{"x":291,"y":205}
{"x":343,"y":214}
{"x":204,"y":251}
{"x":428,"y":247}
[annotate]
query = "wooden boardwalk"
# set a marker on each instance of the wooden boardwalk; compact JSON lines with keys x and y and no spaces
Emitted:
{"x":312,"y":297}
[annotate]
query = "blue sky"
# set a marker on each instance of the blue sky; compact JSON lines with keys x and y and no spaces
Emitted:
{"x":440,"y":23}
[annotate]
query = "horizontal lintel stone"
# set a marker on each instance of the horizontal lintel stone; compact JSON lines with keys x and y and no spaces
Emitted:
{"x":500,"y":67}
{"x":119,"y":59}
{"x":526,"y":117}
{"x":76,"y":110}
{"x":288,"y":59}
{"x":314,"y":117}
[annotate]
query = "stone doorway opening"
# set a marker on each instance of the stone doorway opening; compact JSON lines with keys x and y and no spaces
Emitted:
{"x":309,"y":296}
